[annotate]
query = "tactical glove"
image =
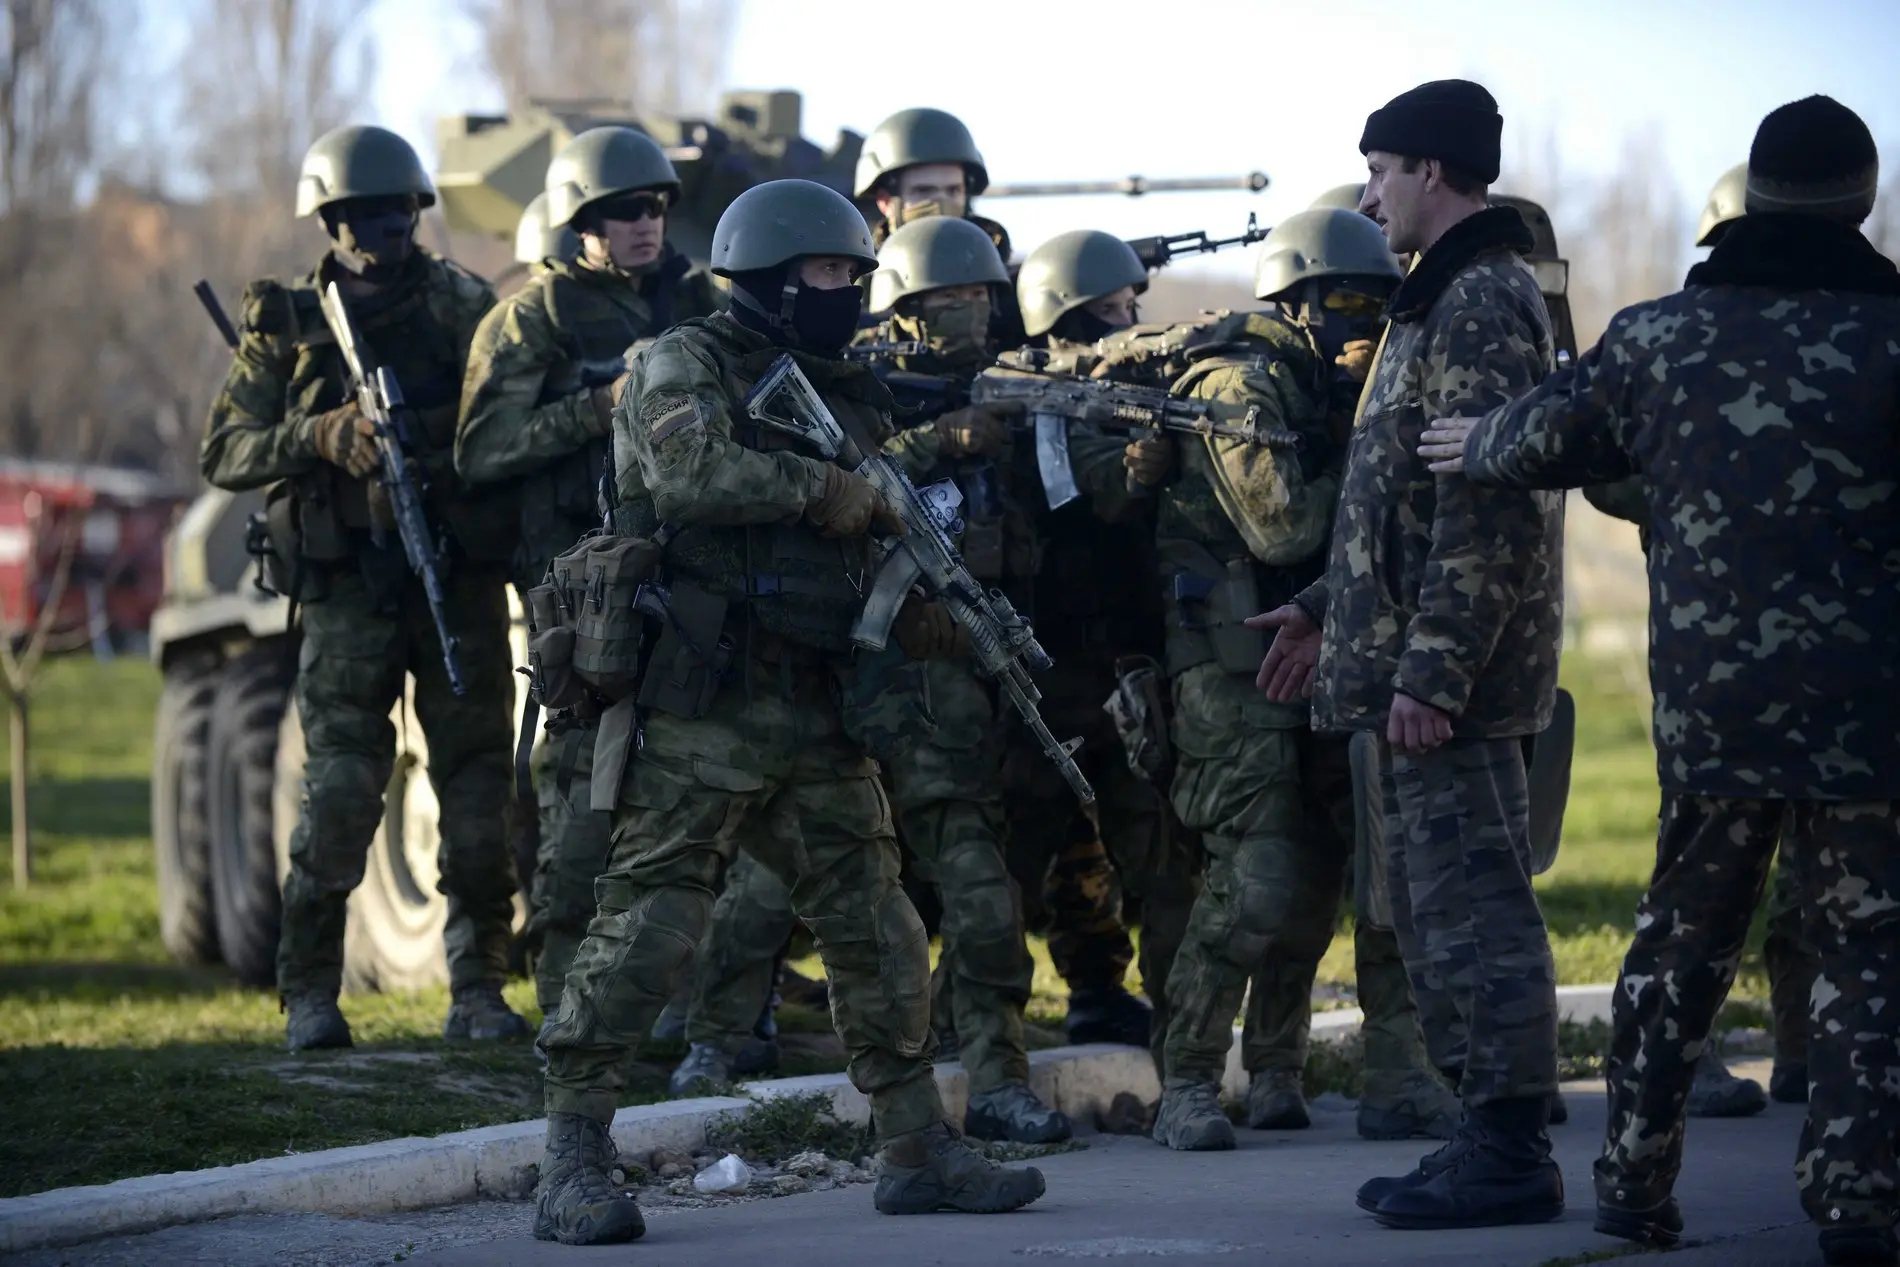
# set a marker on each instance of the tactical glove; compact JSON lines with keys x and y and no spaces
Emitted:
{"x":926,"y":630}
{"x":1149,"y":461}
{"x":848,"y":506}
{"x":972,"y":431}
{"x":346,"y":438}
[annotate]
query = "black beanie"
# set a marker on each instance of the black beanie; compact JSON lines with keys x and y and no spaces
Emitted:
{"x":1814,"y":157}
{"x":1452,"y":120}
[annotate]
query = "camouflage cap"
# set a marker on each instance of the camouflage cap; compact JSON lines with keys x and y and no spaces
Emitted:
{"x":910,"y":137}
{"x":1727,"y":201}
{"x":1321,"y":242}
{"x":359,"y":161}
{"x":931,"y":254}
{"x":602,"y":162}
{"x":1069,"y":270}
{"x":537,"y":240}
{"x":781,"y":220}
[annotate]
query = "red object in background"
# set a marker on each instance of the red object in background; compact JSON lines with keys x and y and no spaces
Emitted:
{"x":116,"y":519}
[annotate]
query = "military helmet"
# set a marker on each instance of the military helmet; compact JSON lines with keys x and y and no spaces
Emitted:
{"x":1069,"y":270}
{"x":933,"y":253}
{"x":1725,"y":204}
{"x":780,"y":220}
{"x":537,"y":240}
{"x":1321,"y":242}
{"x":1546,"y":262}
{"x":359,"y":161}
{"x":602,"y":162}
{"x":1344,"y":197}
{"x":910,"y":137}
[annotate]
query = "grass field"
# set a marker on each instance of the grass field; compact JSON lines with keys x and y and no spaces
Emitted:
{"x":118,"y":1062}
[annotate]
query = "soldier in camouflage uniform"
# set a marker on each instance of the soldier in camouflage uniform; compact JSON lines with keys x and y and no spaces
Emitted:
{"x":537,"y":408}
{"x":287,"y":418}
{"x":1787,"y":952}
{"x":758,"y":721}
{"x":1442,"y":610}
{"x":1757,"y":405}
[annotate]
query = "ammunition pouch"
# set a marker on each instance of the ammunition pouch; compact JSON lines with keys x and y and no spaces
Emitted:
{"x":274,"y":539}
{"x":1208,"y":603}
{"x":586,"y":630}
{"x":884,"y":702}
{"x":1139,"y":709}
{"x":693,"y":653}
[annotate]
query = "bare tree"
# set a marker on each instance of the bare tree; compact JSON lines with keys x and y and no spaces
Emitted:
{"x":655,"y":55}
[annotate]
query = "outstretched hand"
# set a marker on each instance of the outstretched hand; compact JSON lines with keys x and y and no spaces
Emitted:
{"x":1443,"y":444}
{"x":1287,"y":672}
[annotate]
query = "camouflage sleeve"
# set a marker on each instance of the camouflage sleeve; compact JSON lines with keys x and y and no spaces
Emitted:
{"x":1312,"y":600}
{"x":1565,"y":433}
{"x":251,"y":438}
{"x":917,"y":449}
{"x":1095,"y":456}
{"x":1477,"y":359}
{"x":677,"y":419}
{"x":1282,"y":506}
{"x":503,"y":432}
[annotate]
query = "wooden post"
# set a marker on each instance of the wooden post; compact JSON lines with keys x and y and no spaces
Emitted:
{"x":22,"y":833}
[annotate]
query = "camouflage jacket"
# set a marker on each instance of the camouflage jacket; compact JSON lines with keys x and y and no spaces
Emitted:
{"x":287,"y":370}
{"x":1760,"y":414}
{"x":1435,"y":587}
{"x":526,"y":409}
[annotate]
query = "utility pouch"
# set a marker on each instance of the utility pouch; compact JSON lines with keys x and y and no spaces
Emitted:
{"x":552,"y":682}
{"x":1139,"y":709}
{"x":271,"y":539}
{"x":1237,"y":648}
{"x":692,"y":653}
{"x":609,"y":631}
{"x":322,"y":535}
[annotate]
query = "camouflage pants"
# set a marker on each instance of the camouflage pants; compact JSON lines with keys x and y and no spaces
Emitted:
{"x":1267,"y":796}
{"x":769,"y":770}
{"x":1712,"y":860}
{"x":1789,"y":954}
{"x":1457,"y":853}
{"x":732,"y":973}
{"x":351,"y":670}
{"x":572,"y":852}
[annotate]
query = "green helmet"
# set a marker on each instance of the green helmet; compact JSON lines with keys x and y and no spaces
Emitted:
{"x":537,"y":240}
{"x":783,"y":219}
{"x":1344,"y":197}
{"x":359,"y":162}
{"x":910,"y":137}
{"x":1321,"y":242}
{"x":930,"y":254}
{"x":1069,"y":270}
{"x":1547,"y":263}
{"x":1726,"y":203}
{"x":602,"y":162}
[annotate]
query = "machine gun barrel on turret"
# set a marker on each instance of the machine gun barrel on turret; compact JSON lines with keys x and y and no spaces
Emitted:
{"x":1133,"y":186}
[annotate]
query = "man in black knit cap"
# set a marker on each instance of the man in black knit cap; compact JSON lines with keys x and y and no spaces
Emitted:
{"x":1760,"y":407}
{"x":1436,"y":627}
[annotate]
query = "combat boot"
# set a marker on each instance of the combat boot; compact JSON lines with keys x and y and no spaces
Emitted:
{"x":705,"y":1071}
{"x":949,"y":1046}
{"x":1504,"y":1177}
{"x":1108,"y":1014}
{"x":670,"y":1025}
{"x":760,"y":1053}
{"x":1859,"y":1246}
{"x":1643,"y":1219}
{"x":1718,"y":1093}
{"x":478,"y":1013}
{"x":1276,"y":1101}
{"x":936,"y":1169}
{"x":1190,"y":1119}
{"x":314,"y":1021}
{"x":1788,"y":1083}
{"x":1373,"y":1191}
{"x":577,"y":1203}
{"x":1407,"y":1104}
{"x":1014,"y":1113}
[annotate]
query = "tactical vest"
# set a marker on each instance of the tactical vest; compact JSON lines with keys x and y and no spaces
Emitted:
{"x":783,"y":579}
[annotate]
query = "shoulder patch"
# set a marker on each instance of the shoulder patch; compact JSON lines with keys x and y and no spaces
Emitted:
{"x":667,"y":413}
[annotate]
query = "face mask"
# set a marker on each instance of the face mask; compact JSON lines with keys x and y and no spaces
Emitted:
{"x":374,"y":236}
{"x":824,"y":320}
{"x":956,"y":329}
{"x":1079,"y":325}
{"x":1340,"y":316}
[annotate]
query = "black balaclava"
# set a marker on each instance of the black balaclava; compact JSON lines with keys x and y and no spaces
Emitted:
{"x":1079,"y":325}
{"x":777,"y":304}
{"x":374,"y":236}
{"x":1333,"y":330}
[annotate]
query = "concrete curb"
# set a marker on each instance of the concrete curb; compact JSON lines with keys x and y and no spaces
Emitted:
{"x":415,"y":1173}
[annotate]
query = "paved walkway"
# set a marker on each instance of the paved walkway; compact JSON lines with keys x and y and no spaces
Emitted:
{"x":1283,"y":1197}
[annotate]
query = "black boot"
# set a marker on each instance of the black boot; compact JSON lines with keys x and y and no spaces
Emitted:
{"x":1859,"y":1246}
{"x":1655,"y":1223}
{"x":1373,"y":1191}
{"x":1506,"y":1175}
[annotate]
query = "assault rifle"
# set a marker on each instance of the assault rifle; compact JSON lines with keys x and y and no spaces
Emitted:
{"x":1004,"y":643}
{"x":882,"y":351}
{"x":1157,"y":252}
{"x":1053,"y":401}
{"x":379,"y":396}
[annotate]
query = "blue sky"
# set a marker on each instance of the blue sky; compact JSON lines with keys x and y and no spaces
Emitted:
{"x":1197,"y":87}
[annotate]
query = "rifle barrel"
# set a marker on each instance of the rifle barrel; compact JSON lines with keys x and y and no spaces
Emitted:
{"x":209,"y":298}
{"x":1132,"y":186}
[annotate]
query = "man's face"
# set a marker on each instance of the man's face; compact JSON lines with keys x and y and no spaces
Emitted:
{"x":628,"y":230}
{"x":1396,"y":199}
{"x":1117,"y":307}
{"x":828,"y":272}
{"x":941,"y":184}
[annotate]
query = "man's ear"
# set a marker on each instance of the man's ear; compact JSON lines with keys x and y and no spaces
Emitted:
{"x":886,"y":202}
{"x":1434,"y":175}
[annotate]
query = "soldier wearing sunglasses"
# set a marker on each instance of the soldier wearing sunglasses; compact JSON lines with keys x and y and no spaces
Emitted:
{"x":537,"y":412}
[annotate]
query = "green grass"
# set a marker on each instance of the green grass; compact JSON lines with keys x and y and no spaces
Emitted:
{"x":118,"y":1062}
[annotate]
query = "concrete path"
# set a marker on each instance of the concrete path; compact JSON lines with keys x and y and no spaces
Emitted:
{"x":1283,"y":1197}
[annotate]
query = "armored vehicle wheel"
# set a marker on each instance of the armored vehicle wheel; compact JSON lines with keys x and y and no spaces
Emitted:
{"x":181,"y":827}
{"x":246,"y":713}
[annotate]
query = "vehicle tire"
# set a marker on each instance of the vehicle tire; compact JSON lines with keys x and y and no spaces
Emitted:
{"x":181,"y":828}
{"x":246,"y":714}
